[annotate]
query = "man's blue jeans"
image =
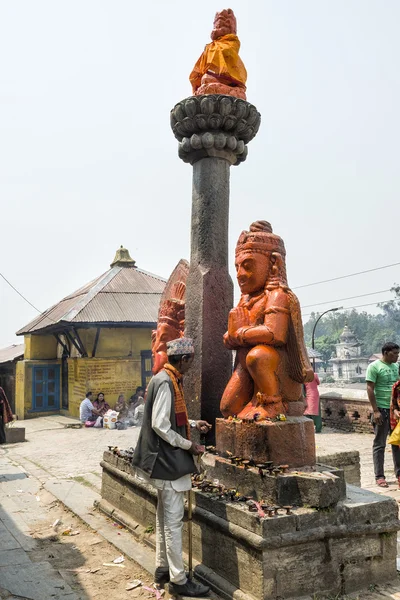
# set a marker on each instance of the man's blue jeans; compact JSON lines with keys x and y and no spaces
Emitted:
{"x":379,"y":446}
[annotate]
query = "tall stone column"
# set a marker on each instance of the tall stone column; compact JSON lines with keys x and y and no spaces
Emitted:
{"x":213,"y":131}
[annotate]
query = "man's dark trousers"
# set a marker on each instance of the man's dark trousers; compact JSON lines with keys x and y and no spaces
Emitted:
{"x":379,"y":446}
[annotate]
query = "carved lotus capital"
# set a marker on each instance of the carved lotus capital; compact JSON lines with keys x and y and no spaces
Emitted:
{"x":214,"y":125}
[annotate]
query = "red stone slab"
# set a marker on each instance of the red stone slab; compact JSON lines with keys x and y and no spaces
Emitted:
{"x":290,"y":442}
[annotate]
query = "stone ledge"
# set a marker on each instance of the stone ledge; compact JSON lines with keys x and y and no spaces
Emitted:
{"x":310,"y":552}
{"x":319,"y":488}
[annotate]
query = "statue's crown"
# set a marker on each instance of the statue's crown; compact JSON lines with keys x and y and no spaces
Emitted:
{"x":260,"y":238}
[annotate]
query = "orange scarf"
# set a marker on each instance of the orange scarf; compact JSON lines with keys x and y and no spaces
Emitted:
{"x":181,"y":414}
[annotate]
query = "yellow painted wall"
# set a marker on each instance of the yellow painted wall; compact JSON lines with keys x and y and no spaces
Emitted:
{"x":115,"y":342}
{"x":116,"y":368}
{"x":110,"y":376}
{"x":23,"y":388}
{"x":40,"y":347}
{"x":20,"y":396}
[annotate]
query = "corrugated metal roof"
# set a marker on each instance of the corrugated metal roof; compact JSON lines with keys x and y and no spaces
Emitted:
{"x":135,"y":281}
{"x":11,"y":352}
{"x":136,"y":308}
{"x":122,"y":294}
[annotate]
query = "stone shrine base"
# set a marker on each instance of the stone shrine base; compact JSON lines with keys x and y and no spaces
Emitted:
{"x":334,"y":551}
{"x":317,"y":487}
{"x":290,"y":442}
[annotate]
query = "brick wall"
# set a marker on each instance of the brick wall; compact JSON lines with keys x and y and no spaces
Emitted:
{"x":346,"y":414}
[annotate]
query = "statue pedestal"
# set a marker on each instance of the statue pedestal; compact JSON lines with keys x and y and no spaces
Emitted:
{"x":309,"y":552}
{"x":290,"y":442}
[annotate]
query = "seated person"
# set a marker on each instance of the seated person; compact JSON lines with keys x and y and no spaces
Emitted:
{"x":121,"y":407}
{"x":135,"y":400}
{"x":137,"y":418}
{"x":87,"y":412}
{"x":101,"y":405}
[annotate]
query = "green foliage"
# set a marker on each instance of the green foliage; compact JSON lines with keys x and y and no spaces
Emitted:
{"x":326,"y":346}
{"x":371,"y":330}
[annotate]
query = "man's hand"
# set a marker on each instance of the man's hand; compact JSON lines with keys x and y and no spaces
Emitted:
{"x":378,"y":417}
{"x":203,"y":426}
{"x":196,"y":449}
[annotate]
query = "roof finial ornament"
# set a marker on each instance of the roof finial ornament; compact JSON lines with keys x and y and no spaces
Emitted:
{"x":122,"y":258}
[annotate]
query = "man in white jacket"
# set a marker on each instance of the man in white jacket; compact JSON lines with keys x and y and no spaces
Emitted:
{"x":164,"y":455}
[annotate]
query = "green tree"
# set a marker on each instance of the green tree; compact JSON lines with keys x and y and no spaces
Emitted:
{"x":326,"y":346}
{"x":371,"y":330}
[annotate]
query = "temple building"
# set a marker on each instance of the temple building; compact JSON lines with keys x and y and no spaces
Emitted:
{"x":347,"y":364}
{"x":97,"y":338}
{"x":9,"y":358}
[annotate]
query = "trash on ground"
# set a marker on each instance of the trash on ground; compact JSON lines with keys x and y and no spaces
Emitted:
{"x":56,"y":522}
{"x":157,"y":593}
{"x":133,"y":584}
{"x":118,"y":560}
{"x":113,"y":565}
{"x":69,"y":531}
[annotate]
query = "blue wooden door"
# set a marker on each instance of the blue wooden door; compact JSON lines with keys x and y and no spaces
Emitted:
{"x":46,"y":388}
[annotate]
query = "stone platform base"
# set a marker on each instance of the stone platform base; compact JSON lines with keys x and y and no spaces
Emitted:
{"x":290,"y":442}
{"x":320,"y":487}
{"x":335,"y":551}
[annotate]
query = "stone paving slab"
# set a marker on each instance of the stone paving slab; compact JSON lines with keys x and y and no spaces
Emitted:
{"x":7,"y":540}
{"x":38,"y":581}
{"x":13,"y":557}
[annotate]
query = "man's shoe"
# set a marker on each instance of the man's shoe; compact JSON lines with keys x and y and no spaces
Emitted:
{"x":161,"y":576}
{"x":190,"y":588}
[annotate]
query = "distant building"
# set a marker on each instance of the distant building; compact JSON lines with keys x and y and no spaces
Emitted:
{"x":8,"y":360}
{"x":97,"y":338}
{"x":348,"y":365}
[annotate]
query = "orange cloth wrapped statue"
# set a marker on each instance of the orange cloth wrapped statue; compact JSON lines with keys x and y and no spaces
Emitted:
{"x":266,"y":331}
{"x":219,"y":69}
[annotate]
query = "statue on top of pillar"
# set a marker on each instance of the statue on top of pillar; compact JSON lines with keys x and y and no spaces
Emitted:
{"x":219,"y":69}
{"x":266,"y":331}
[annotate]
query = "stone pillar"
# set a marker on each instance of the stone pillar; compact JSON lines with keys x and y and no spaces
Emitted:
{"x":213,"y":132}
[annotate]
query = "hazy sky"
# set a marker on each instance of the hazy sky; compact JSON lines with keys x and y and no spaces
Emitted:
{"x":88,"y":161}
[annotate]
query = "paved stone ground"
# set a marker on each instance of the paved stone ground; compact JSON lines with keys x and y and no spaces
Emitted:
{"x":66,"y":453}
{"x":330,"y":441}
{"x":64,"y":463}
{"x":20,"y":511}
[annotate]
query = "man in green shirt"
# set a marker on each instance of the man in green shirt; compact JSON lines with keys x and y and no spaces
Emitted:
{"x":381,"y":375}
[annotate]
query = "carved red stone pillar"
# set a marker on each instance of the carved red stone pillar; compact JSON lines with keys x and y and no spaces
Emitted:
{"x":213,"y":132}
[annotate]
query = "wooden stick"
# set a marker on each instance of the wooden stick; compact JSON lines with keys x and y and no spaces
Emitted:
{"x":190,"y":534}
